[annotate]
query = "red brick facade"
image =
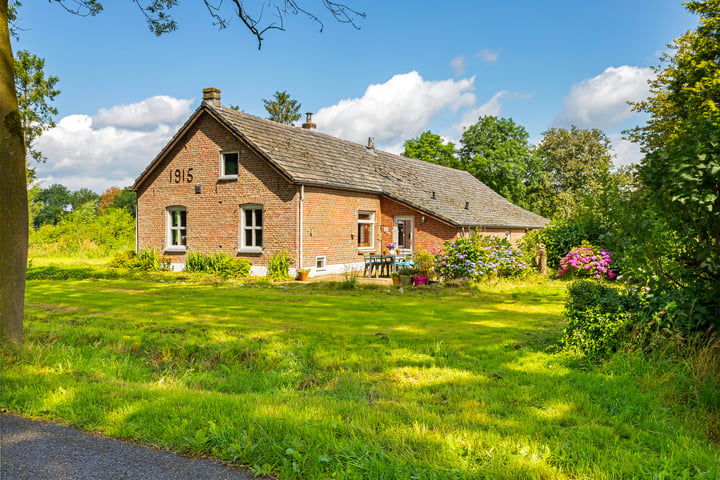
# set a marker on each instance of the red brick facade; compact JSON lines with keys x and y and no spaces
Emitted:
{"x":189,"y":176}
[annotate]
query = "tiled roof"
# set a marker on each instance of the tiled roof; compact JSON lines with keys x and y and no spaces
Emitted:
{"x":314,"y":158}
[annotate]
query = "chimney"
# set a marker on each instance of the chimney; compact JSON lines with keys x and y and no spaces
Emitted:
{"x":371,"y":143}
{"x":212,"y":95}
{"x":309,"y":125}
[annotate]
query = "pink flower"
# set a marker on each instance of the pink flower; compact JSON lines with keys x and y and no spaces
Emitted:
{"x":611,"y":275}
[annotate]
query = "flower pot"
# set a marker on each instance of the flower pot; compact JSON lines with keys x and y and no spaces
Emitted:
{"x":303,"y":276}
{"x":396,"y":280}
{"x":433,"y":282}
{"x":420,"y":281}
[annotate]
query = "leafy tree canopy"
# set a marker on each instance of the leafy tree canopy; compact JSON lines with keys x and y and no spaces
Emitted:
{"x":282,"y":108}
{"x":34,"y":94}
{"x":688,"y":86}
{"x":431,"y":148}
{"x":498,"y":153}
{"x":55,"y":202}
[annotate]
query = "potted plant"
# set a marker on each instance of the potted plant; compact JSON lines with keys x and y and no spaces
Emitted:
{"x":391,"y":248}
{"x":424,"y":263}
{"x":303,"y":274}
{"x":405,"y":274}
{"x":395,"y":276}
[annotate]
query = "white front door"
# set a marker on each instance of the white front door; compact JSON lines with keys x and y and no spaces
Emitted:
{"x":403,"y":233}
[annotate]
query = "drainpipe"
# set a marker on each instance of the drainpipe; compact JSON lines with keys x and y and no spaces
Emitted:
{"x":137,"y":234}
{"x":302,"y":199}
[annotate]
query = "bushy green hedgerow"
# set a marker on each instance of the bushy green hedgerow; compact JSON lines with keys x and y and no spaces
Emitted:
{"x":599,"y":316}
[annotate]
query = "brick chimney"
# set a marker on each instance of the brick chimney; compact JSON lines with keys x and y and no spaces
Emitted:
{"x":371,"y":143}
{"x":309,"y":125}
{"x":212,"y":95}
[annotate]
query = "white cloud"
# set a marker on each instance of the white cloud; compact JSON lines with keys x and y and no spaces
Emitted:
{"x":488,"y":56}
{"x":143,"y":115}
{"x":601,"y":101}
{"x":105,"y":150}
{"x":458,"y":65}
{"x":394,"y":111}
{"x":626,"y":152}
{"x":492,"y":107}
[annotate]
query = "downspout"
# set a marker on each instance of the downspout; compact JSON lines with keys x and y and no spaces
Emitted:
{"x":137,"y":235}
{"x":300,"y":236}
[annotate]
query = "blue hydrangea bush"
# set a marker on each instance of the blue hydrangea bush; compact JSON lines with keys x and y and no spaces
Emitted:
{"x":479,"y":256}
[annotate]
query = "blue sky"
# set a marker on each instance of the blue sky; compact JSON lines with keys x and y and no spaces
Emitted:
{"x":410,"y":67}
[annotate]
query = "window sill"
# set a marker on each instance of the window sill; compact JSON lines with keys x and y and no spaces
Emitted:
{"x":250,"y":250}
{"x":366,"y":249}
{"x":228,"y":178}
{"x":176,"y":249}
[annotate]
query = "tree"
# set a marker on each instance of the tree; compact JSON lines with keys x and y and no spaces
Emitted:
{"x":107,"y":199}
{"x":688,"y":87}
{"x":78,"y":198}
{"x":127,"y":199}
{"x":14,"y":201}
{"x":282,"y":109}
{"x":430,"y":148}
{"x":55,"y":201}
{"x":34,"y":91}
{"x":497,"y":152}
{"x":574,"y":162}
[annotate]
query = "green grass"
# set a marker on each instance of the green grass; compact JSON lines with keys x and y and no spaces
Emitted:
{"x":313,"y":382}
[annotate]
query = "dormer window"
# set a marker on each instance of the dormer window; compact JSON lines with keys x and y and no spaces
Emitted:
{"x":229,"y":165}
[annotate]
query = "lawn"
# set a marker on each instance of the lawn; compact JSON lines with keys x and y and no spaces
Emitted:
{"x":315,"y":382}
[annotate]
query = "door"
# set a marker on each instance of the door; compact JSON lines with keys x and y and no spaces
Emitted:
{"x":403,"y":234}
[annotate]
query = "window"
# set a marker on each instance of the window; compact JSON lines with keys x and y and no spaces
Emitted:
{"x":230,"y":165}
{"x":320,"y":263}
{"x":366,"y":229}
{"x":251,"y":229}
{"x":177,"y":229}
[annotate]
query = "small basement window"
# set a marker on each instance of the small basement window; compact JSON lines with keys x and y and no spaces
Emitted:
{"x":230,"y":165}
{"x":320,"y":263}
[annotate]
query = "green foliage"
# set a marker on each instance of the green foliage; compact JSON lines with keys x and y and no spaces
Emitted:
{"x":558,"y":237}
{"x":280,"y":265}
{"x":479,"y":256}
{"x":498,"y":153}
{"x":54,"y":201}
{"x":598,"y":317}
{"x":82,"y":196}
{"x":431,"y":148}
{"x":54,"y":272}
{"x":34,"y":94}
{"x":282,"y":108}
{"x":85,"y":232}
{"x":688,"y":86}
{"x":147,"y":260}
{"x":222,"y":264}
{"x":424,"y":263}
{"x":574,"y":163}
{"x":127,"y":199}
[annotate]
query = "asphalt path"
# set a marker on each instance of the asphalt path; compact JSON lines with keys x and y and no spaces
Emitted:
{"x":35,"y":450}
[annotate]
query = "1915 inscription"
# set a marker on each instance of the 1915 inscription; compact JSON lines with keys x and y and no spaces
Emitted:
{"x":181,"y":175}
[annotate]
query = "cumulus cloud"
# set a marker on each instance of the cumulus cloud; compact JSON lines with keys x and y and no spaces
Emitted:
{"x":394,"y":111}
{"x":626,"y":152}
{"x":488,"y":56}
{"x":601,"y":101}
{"x":144,"y":115}
{"x":458,"y":65}
{"x":105,"y":150}
{"x":492,"y":107}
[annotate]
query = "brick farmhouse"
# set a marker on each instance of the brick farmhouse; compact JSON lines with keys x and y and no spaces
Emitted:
{"x":234,"y":183}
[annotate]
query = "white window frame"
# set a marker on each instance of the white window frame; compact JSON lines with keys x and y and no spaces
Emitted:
{"x":320,"y":263}
{"x":170,"y":213}
{"x":370,"y":222}
{"x":243,"y":246}
{"x":223,"y":174}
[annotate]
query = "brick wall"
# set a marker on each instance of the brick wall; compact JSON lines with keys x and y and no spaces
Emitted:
{"x":213,"y":216}
{"x":331,"y":225}
{"x":429,"y":233}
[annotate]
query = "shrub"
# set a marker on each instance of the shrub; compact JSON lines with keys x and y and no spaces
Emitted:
{"x":586,"y":261}
{"x":479,"y":256}
{"x":424,"y":263}
{"x":222,"y":264}
{"x":147,"y":260}
{"x":279,"y":265}
{"x":598,"y":316}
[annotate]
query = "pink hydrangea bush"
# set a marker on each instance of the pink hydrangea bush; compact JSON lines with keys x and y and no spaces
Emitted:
{"x":586,"y":261}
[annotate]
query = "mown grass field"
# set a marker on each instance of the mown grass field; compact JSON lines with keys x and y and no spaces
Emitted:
{"x":314,"y":382}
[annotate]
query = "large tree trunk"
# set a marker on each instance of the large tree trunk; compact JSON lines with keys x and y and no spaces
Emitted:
{"x":13,"y":196}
